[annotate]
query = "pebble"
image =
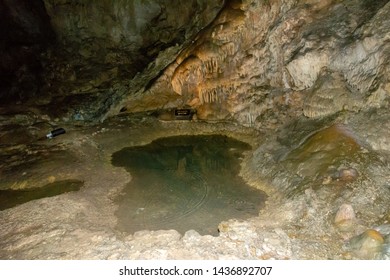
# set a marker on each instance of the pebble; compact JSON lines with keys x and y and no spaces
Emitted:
{"x":345,"y":218}
{"x":348,"y":174}
{"x":237,"y":230}
{"x":367,"y":245}
{"x":191,"y":236}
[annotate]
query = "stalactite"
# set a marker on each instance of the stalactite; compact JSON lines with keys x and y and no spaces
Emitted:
{"x":190,"y":71}
{"x":212,"y":65}
{"x":177,"y":84}
{"x":215,"y":94}
{"x":229,"y":49}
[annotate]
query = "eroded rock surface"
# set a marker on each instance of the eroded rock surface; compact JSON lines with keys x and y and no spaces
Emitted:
{"x":257,"y":54}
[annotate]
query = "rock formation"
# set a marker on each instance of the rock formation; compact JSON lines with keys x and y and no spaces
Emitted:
{"x":329,"y":54}
{"x":231,"y":60}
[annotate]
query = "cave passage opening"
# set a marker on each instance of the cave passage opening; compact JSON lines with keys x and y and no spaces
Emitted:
{"x":183,"y":183}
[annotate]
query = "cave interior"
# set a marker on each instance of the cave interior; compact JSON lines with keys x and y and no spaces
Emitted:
{"x":303,"y":85}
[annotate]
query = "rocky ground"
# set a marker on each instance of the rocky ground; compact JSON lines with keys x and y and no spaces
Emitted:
{"x":328,"y":189}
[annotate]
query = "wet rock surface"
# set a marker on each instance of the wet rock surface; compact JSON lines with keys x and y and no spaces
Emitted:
{"x":84,"y":225}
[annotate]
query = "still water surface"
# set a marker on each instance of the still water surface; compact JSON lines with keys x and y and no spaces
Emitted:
{"x":183,"y":183}
{"x":12,"y":198}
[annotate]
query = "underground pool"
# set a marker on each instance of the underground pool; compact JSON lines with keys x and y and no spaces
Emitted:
{"x":12,"y":198}
{"x":183,"y":183}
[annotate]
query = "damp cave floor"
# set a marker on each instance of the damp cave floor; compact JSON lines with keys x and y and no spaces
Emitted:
{"x":83,"y":224}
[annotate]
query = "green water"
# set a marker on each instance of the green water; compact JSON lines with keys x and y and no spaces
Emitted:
{"x":12,"y":198}
{"x":183,"y":183}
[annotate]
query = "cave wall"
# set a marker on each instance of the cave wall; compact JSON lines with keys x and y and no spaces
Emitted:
{"x":109,"y":50}
{"x":25,"y":32}
{"x":258,"y":57}
{"x":241,"y":60}
{"x":96,"y":49}
{"x":118,"y":29}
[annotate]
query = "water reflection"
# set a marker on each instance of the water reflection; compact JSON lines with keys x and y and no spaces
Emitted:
{"x":185,"y":182}
{"x":12,"y":198}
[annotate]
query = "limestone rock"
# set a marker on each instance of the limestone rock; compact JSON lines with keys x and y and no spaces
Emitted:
{"x":136,"y":38}
{"x":386,"y":250}
{"x":328,"y":96}
{"x":306,"y":69}
{"x":374,"y":127}
{"x":233,"y":61}
{"x":254,"y":47}
{"x":345,"y":217}
{"x":126,"y":24}
{"x":367,"y":245}
{"x":383,"y":229}
{"x":235,"y":230}
{"x":322,"y":150}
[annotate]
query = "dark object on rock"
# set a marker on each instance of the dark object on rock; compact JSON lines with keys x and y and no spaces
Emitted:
{"x":55,"y":133}
{"x":184,"y":114}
